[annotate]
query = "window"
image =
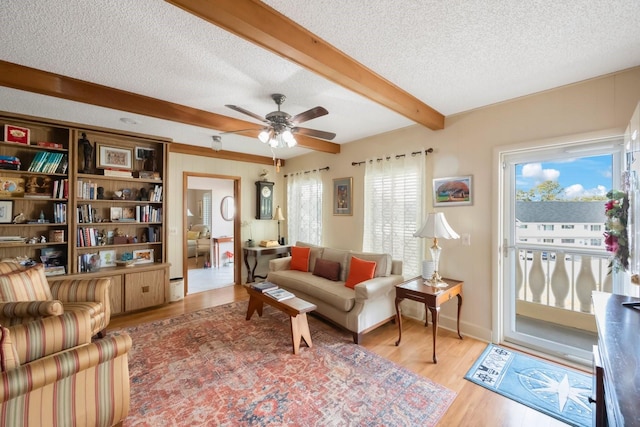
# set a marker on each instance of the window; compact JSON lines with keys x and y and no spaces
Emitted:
{"x":394,"y":197}
{"x":206,"y":208}
{"x":304,"y":202}
{"x":567,"y":227}
{"x":596,"y":242}
{"x":596,"y":227}
{"x":547,"y":240}
{"x":568,"y":241}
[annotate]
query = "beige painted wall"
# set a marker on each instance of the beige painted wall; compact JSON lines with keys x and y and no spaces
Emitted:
{"x":466,"y":147}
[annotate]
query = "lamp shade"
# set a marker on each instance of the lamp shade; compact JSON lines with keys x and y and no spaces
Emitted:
{"x":436,"y":225}
{"x":278,"y":215}
{"x":189,"y":213}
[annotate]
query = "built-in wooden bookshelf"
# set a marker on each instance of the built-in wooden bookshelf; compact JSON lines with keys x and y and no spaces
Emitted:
{"x":93,"y":198}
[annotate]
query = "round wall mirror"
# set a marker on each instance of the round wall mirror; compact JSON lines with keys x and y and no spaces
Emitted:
{"x":227,"y":208}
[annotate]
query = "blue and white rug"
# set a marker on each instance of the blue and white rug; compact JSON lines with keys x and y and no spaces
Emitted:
{"x":552,"y":389}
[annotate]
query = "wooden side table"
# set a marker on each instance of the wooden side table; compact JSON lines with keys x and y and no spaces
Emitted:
{"x":415,"y":289}
{"x":216,"y":248}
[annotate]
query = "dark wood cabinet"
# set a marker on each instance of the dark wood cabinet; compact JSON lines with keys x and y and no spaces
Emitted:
{"x":618,"y":352}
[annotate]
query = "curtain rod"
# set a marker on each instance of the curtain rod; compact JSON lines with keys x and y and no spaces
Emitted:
{"x":326,"y":168}
{"x":426,"y":152}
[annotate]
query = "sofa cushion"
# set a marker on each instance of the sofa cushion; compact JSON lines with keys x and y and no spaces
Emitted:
{"x":27,"y":285}
{"x":316,"y":252}
{"x":334,"y":294}
{"x":383,"y":262}
{"x":193,"y":235}
{"x":8,"y":353}
{"x":327,"y":269}
{"x":338,"y":255}
{"x":300,"y":258}
{"x":359,"y":271}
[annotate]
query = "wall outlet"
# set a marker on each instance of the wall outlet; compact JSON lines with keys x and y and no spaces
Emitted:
{"x":466,"y":239}
{"x":173,"y":231}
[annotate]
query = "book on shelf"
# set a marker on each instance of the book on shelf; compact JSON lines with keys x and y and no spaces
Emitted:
{"x":118,"y":173}
{"x":264,"y":286}
{"x":279,"y":294}
{"x":49,"y":144}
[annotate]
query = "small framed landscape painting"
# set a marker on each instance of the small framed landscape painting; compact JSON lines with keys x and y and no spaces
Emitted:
{"x":6,"y":211}
{"x":342,"y":196}
{"x":453,"y":191}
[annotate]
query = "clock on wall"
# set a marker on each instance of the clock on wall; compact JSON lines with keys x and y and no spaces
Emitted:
{"x":264,"y":200}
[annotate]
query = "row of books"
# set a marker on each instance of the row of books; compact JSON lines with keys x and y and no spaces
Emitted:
{"x":88,"y":236}
{"x":272,"y":290}
{"x":155,"y":195}
{"x":87,"y":190}
{"x":60,"y":213}
{"x":88,"y":262}
{"x":49,"y":162}
{"x":60,"y":189}
{"x":148,"y":213}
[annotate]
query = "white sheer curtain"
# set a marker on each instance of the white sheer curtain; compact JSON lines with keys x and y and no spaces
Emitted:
{"x":304,"y":202}
{"x":394,"y":208}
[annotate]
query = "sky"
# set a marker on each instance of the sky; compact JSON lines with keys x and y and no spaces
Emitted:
{"x":582,"y":176}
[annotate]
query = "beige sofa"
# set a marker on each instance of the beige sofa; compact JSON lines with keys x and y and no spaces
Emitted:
{"x":198,"y":241}
{"x":368,"y":305}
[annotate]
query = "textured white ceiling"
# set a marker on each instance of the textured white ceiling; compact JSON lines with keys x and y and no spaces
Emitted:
{"x":454,"y":56}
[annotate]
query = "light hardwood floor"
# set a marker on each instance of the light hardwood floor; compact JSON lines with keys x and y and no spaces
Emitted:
{"x":474,"y":405}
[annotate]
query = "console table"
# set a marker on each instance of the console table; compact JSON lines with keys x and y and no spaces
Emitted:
{"x":257,"y":252}
{"x":618,"y":351}
{"x":415,"y":289}
{"x":216,"y":248}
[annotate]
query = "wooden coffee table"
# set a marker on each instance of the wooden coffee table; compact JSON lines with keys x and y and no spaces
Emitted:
{"x":296,"y":308}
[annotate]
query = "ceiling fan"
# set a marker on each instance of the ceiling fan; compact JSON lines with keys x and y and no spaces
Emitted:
{"x":282,"y":127}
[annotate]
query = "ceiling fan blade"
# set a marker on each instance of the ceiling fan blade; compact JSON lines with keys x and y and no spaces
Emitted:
{"x":238,"y":131}
{"x":314,"y":133}
{"x":308,"y":115}
{"x":248,"y":113}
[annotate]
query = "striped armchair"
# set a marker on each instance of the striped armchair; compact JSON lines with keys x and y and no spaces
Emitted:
{"x":27,"y":294}
{"x":53,"y":375}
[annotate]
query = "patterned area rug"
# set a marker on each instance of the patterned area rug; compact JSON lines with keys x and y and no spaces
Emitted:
{"x":213,"y":367}
{"x":551,"y":389}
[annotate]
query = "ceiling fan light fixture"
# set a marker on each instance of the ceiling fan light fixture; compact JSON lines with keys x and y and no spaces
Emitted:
{"x":264,"y":136}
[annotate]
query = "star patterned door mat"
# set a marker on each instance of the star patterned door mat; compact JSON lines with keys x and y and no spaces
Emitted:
{"x":552,"y":389}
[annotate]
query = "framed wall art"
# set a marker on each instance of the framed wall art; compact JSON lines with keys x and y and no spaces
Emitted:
{"x":6,"y":211}
{"x":143,"y":256}
{"x":16,"y":134}
{"x":343,"y":196}
{"x":108,"y":258}
{"x":114,"y":157}
{"x":453,"y":191}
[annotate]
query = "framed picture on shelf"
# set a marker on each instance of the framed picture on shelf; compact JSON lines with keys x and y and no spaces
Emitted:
{"x":108,"y":258}
{"x":143,"y":153}
{"x":115,"y":214}
{"x":6,"y":211}
{"x":452,"y":191}
{"x":129,"y":213}
{"x":342,"y":196}
{"x":114,"y":157}
{"x":16,"y":134}
{"x":143,"y":256}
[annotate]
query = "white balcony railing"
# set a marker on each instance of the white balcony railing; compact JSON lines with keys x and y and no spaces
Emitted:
{"x":556,"y":286}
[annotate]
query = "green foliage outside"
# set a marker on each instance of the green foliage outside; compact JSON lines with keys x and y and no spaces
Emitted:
{"x":550,"y":191}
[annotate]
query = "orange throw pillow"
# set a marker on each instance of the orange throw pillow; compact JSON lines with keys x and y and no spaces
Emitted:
{"x":300,"y":258}
{"x":359,"y":271}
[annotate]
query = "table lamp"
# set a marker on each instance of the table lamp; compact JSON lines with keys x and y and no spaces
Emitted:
{"x":279,"y":217}
{"x":436,"y":227}
{"x":189,"y":214}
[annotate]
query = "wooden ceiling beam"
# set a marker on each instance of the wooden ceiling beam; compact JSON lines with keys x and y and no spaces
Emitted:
{"x":193,"y":150}
{"x":46,"y":83}
{"x":266,"y":27}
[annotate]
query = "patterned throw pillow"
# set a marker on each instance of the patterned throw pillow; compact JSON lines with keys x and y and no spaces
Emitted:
{"x":8,"y":353}
{"x":27,"y":285}
{"x":193,"y":235}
